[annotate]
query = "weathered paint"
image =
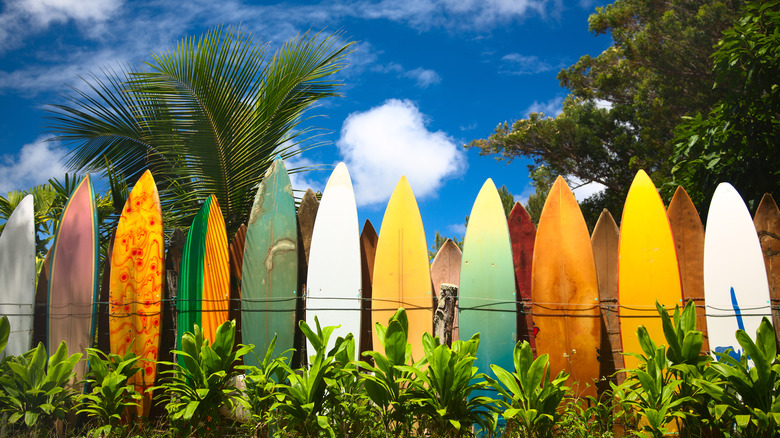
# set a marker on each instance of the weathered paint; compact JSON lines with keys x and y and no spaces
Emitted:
{"x":269,"y":278}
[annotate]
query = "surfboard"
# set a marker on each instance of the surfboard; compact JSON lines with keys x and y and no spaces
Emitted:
{"x":17,"y":274}
{"x":605,"y":254}
{"x":307,"y":214}
{"x":735,"y":283}
{"x":334,"y":276}
{"x":368,"y":240}
{"x":767,"y":222}
{"x":445,"y":268}
{"x":688,"y":234}
{"x":522,"y":233}
{"x":216,"y":273}
{"x":236,"y":254}
{"x":73,"y":283}
{"x":565,"y":292}
{"x":647,"y":266}
{"x":136,"y":280}
{"x":189,"y":298}
{"x":40,"y":321}
{"x":103,"y":342}
{"x":487,"y":283}
{"x":402,"y":276}
{"x":269,"y":278}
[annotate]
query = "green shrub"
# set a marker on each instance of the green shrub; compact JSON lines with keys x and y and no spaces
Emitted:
{"x":37,"y":393}
{"x":110,"y":396}
{"x":206,"y":382}
{"x":530,"y":399}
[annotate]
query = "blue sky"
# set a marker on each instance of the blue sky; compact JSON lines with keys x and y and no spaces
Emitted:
{"x":426,"y":77}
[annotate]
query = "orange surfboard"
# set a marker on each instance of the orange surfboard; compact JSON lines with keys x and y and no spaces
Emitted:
{"x":135,"y":289}
{"x":605,"y":253}
{"x":647,"y":266}
{"x":402,"y":276}
{"x":565,"y":292}
{"x":216,"y":273}
{"x":688,"y":233}
{"x":767,"y":222}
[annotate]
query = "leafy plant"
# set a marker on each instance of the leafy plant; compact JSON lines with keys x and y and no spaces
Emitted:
{"x":206,"y":381}
{"x":36,"y":392}
{"x":303,"y":397}
{"x":588,"y":417}
{"x":744,"y":396}
{"x":442,"y":390}
{"x":111,"y":395}
{"x":529,"y":397}
{"x":261,"y":386}
{"x":386,"y":382}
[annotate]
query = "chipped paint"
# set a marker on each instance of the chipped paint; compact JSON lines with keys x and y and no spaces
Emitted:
{"x":283,"y":245}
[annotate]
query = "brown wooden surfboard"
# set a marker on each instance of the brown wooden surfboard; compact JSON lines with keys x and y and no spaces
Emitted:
{"x":605,"y":253}
{"x":522,"y":233}
{"x":368,"y":240}
{"x":103,"y":332}
{"x":767,"y":222}
{"x":236,"y":255}
{"x":688,"y":234}
{"x":445,"y":268}
{"x":307,"y":213}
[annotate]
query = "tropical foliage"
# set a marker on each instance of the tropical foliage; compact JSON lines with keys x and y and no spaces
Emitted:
{"x":207,"y":117}
{"x":676,"y":387}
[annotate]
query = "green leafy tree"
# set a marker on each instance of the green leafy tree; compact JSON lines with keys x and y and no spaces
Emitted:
{"x":738,"y":140}
{"x":207,"y":117}
{"x":542,"y":179}
{"x":625,"y":103}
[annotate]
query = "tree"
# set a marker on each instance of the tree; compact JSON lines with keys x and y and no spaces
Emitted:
{"x":207,"y":117}
{"x":624,"y":104}
{"x":738,"y":140}
{"x":542,"y":180}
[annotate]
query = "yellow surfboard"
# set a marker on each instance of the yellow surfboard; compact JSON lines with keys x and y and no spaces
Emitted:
{"x":135,"y":288}
{"x":565,"y":292}
{"x":216,"y":273}
{"x":647,"y":266}
{"x":401,"y":274}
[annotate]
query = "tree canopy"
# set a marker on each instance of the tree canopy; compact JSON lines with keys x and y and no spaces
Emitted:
{"x":624,"y":104}
{"x":739,"y":140}
{"x":207,"y":117}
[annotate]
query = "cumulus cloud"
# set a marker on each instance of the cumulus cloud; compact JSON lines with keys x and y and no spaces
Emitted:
{"x":384,"y":143}
{"x":550,"y":108}
{"x":423,"y":77}
{"x":34,"y":164}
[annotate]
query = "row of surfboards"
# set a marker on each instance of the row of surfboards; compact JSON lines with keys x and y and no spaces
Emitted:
{"x":577,"y":297}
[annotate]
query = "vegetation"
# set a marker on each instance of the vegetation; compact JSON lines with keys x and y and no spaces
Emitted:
{"x":676,"y":387}
{"x":207,"y":117}
{"x":624,"y":105}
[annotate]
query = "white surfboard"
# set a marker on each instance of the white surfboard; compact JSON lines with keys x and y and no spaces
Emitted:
{"x":735,"y":285}
{"x":334,"y":278}
{"x":17,"y":276}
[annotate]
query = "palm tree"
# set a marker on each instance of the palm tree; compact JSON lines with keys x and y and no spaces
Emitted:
{"x":207,"y":117}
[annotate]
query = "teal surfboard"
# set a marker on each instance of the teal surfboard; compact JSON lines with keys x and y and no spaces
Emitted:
{"x":487,"y":283}
{"x":270,"y":273}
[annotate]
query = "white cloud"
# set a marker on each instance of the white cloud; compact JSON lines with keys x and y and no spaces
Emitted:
{"x":23,"y":17}
{"x":525,"y":194}
{"x":584,"y":191}
{"x":423,"y":76}
{"x":384,"y":143}
{"x":457,"y":229}
{"x":551,"y":108}
{"x":34,"y":164}
{"x":517,"y":64}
